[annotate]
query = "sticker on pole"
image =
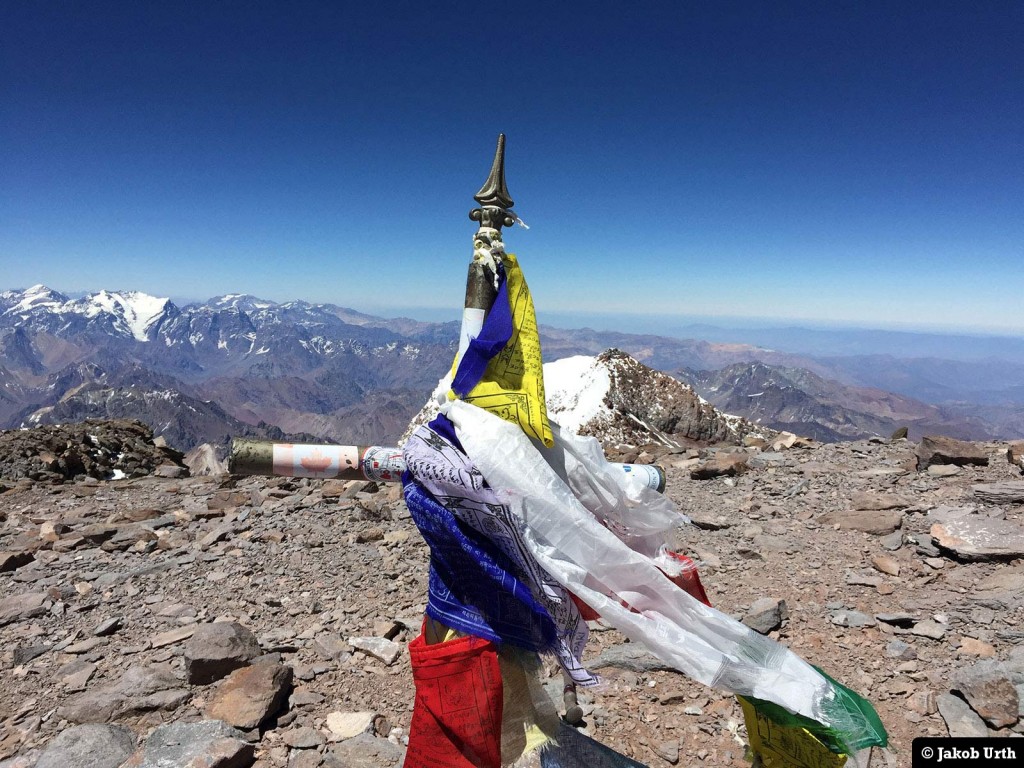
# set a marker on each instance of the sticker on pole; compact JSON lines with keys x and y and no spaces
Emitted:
{"x":319,"y":461}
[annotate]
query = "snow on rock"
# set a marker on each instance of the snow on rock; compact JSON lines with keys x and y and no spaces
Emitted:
{"x":131,"y":313}
{"x":135,"y":310}
{"x":575,"y":389}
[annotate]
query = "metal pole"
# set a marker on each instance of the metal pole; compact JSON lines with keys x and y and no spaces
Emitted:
{"x":380,"y":463}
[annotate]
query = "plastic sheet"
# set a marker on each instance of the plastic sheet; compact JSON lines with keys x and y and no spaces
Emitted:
{"x":558,"y":493}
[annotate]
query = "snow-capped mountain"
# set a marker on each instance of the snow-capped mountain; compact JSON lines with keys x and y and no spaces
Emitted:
{"x":618,"y":399}
{"x":308,"y":368}
{"x":132,"y":314}
{"x":339,"y":374}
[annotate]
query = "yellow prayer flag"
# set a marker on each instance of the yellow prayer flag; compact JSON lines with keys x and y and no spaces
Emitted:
{"x":512,"y":386}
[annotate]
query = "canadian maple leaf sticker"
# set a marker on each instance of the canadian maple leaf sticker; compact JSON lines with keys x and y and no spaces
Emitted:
{"x":316,"y":463}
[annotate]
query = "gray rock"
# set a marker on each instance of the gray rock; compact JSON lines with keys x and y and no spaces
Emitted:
{"x":1008,"y":492}
{"x":25,"y":654}
{"x":631,"y":656}
{"x":331,"y":646}
{"x":140,"y":689}
{"x":1000,"y":590}
{"x":896,"y":619}
{"x":960,"y":719}
{"x":18,"y":607}
{"x":108,"y":626}
{"x":990,"y":692}
{"x":980,"y":538}
{"x":892,"y":541}
{"x":387,"y":651}
{"x":936,"y":449}
{"x":364,"y":751}
{"x":876,"y":521}
{"x":305,"y":758}
{"x":11,"y":561}
{"x":931,"y":629}
{"x":766,"y":614}
{"x":206,"y":744}
{"x":88,"y":746}
{"x":847,"y":618}
{"x":216,"y":650}
{"x":302,"y":738}
{"x":667,"y":751}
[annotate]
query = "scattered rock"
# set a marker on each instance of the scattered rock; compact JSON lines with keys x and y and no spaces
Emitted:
{"x":206,"y":744}
{"x":365,"y":751}
{"x":11,"y":561}
{"x":930,"y":629}
{"x":845,"y":618}
{"x":980,"y":538}
{"x":886,"y":564}
{"x":936,"y":449}
{"x":766,"y":614}
{"x":720,"y":465}
{"x":960,"y":719}
{"x":88,"y":746}
{"x":988,"y":689}
{"x":878,"y":522}
{"x":973,"y":647}
{"x":18,"y":607}
{"x":218,"y":649}
{"x":140,"y":689}
{"x":1009,"y":492}
{"x":631,"y":656}
{"x":345,"y":725}
{"x":384,"y":650}
{"x":250,"y":695}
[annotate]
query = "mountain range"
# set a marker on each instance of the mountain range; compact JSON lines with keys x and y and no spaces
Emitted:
{"x":239,"y":365}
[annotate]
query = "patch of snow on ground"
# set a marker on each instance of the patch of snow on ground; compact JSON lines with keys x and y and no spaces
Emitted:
{"x":575,"y":388}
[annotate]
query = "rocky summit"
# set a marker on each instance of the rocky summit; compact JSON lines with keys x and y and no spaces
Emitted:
{"x":221,"y":621}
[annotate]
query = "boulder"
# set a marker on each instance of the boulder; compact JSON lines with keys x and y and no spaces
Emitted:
{"x":936,"y":449}
{"x":88,"y":746}
{"x":251,"y":695}
{"x":218,"y":649}
{"x":206,"y":744}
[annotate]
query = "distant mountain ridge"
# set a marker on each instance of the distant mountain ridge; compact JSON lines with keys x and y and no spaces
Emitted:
{"x":237,"y":362}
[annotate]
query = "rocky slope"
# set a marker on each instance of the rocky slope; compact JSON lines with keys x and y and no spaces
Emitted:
{"x":620,"y":400}
{"x":157,"y":606}
{"x":795,"y":399}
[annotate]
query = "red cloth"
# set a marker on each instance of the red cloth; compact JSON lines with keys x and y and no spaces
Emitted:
{"x":687,"y":580}
{"x":456,"y":717}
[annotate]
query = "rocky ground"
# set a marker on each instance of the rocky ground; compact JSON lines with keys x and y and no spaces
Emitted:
{"x":158,"y":605}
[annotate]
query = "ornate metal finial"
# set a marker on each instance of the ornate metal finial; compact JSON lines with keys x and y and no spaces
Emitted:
{"x":493,"y":196}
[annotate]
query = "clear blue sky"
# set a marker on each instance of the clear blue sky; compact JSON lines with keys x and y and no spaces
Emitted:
{"x":850,"y":162}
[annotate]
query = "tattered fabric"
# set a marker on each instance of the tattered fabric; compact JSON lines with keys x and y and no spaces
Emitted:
{"x":587,"y":558}
{"x":483,"y":579}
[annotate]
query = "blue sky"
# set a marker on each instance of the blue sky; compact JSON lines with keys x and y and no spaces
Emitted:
{"x":824,"y":162}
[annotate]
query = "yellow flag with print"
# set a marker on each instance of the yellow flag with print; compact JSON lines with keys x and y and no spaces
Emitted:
{"x":512,"y":384}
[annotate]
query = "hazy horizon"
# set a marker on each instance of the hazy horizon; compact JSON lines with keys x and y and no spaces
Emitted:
{"x":625,"y":322}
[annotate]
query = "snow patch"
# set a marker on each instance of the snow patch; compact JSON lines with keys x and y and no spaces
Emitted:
{"x":575,"y":388}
